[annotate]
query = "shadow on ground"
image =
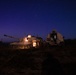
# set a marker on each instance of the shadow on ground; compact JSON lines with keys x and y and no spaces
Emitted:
{"x":51,"y":66}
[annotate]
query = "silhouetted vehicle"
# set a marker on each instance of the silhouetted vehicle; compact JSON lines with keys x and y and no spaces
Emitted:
{"x":55,"y":38}
{"x":26,"y":42}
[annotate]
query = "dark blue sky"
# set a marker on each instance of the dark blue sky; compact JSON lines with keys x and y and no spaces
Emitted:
{"x":37,"y":17}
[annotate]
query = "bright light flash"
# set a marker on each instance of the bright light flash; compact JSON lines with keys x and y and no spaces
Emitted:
{"x":26,"y":40}
{"x":29,"y":36}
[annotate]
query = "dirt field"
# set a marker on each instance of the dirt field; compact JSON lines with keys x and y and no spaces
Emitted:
{"x":56,"y":60}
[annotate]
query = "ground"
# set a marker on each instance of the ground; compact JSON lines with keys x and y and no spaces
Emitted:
{"x":47,"y":60}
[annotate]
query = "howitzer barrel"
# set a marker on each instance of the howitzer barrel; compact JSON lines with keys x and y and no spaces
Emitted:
{"x":10,"y":36}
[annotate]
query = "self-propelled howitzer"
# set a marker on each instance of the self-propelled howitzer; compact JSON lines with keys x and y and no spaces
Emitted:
{"x":26,"y":42}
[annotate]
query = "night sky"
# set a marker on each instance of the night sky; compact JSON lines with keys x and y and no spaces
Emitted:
{"x":37,"y":17}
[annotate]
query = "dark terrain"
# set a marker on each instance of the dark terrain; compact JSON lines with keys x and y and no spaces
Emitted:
{"x":47,"y":60}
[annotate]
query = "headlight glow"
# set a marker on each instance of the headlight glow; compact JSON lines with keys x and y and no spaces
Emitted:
{"x":34,"y":43}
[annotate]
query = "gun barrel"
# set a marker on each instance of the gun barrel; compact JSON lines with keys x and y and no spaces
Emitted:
{"x":10,"y":36}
